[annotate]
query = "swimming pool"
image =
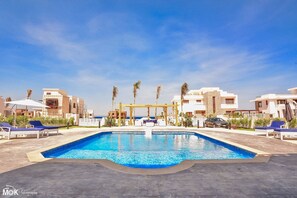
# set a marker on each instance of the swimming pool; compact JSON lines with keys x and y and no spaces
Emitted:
{"x":160,"y":150}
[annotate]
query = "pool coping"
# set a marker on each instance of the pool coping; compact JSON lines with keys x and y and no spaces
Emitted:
{"x":261,"y":157}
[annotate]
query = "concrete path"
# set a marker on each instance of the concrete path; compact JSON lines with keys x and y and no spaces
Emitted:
{"x":13,"y":153}
{"x":277,"y":178}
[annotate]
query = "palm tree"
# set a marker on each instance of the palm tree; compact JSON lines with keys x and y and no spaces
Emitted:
{"x":183,"y":91}
{"x":157,"y":97}
{"x":29,"y":93}
{"x":115,"y":92}
{"x":135,"y":87}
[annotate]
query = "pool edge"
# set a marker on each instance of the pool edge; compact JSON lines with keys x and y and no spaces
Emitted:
{"x":261,"y":157}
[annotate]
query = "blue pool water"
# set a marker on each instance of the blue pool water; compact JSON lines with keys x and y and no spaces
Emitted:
{"x":158,"y":151}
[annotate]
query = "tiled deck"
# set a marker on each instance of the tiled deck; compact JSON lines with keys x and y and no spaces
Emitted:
{"x":277,"y":177}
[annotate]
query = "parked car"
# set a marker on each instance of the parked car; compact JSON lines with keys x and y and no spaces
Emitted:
{"x":216,"y":122}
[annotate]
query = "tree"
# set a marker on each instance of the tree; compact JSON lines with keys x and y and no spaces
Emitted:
{"x":29,"y":93}
{"x":115,"y":92}
{"x":157,"y":97}
{"x":135,"y":87}
{"x":183,"y":91}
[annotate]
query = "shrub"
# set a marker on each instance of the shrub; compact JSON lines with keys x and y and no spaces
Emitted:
{"x":110,"y":122}
{"x":71,"y":121}
{"x":293,"y":123}
{"x":262,"y":122}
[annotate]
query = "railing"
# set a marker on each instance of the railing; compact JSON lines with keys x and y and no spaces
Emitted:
{"x":88,"y":122}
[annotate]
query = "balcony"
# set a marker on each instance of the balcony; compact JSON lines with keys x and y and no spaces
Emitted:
{"x":193,"y":107}
{"x":229,"y":106}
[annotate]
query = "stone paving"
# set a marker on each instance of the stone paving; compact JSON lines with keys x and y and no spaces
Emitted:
{"x":277,"y":178}
{"x":51,"y":179}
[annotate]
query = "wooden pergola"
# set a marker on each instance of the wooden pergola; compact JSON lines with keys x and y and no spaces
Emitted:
{"x":148,"y":106}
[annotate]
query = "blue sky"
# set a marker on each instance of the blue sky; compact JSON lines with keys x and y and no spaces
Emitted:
{"x":85,"y":47}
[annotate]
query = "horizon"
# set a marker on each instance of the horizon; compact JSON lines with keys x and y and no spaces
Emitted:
{"x":85,"y":48}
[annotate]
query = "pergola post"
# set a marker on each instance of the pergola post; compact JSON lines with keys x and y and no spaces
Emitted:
{"x":131,"y":111}
{"x":120,"y":115}
{"x":165,"y":115}
{"x":148,"y":106}
{"x":176,"y":114}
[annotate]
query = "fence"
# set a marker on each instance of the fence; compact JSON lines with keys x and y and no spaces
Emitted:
{"x":88,"y":122}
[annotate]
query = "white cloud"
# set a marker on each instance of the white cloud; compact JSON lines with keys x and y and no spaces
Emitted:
{"x":114,"y":54}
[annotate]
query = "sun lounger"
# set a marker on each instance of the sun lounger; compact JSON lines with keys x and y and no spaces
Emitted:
{"x":138,"y":123}
{"x":161,"y":123}
{"x":286,"y":132}
{"x":270,"y":129}
{"x":38,"y":124}
{"x":7,"y":130}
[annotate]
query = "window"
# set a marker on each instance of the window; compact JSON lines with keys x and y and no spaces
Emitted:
{"x":198,"y":101}
{"x":266,"y":102}
{"x":186,"y":101}
{"x":74,"y":105}
{"x":52,"y":103}
{"x":48,"y":93}
{"x":214,"y":104}
{"x":259,"y":104}
{"x":230,"y":101}
{"x":281,"y":101}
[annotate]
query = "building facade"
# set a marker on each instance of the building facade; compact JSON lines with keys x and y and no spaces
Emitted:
{"x":2,"y":106}
{"x":62,"y":105}
{"x":207,"y":101}
{"x":273,"y":105}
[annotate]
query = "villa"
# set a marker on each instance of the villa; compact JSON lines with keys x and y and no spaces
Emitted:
{"x":273,"y":105}
{"x":62,"y":105}
{"x":207,"y":101}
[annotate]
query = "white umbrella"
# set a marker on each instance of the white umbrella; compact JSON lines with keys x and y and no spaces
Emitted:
{"x":27,"y":102}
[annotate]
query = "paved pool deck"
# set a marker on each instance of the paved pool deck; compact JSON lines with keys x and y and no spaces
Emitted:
{"x":276,"y":178}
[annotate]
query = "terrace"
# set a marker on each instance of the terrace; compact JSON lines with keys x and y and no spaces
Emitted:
{"x":276,"y":177}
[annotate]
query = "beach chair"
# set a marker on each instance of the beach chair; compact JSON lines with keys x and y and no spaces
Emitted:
{"x":47,"y":129}
{"x":270,"y":129}
{"x":286,"y":132}
{"x":138,"y":123}
{"x":9,"y":131}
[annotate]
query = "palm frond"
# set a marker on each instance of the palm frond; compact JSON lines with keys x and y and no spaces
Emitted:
{"x":115,"y":92}
{"x":135,"y":87}
{"x":29,"y":93}
{"x":184,"y":90}
{"x":158,"y":92}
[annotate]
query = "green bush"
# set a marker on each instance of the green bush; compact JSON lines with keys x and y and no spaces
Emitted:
{"x":51,"y":121}
{"x":188,"y":121}
{"x":241,"y":122}
{"x":293,"y":123}
{"x":262,"y":122}
{"x":71,"y":121}
{"x":109,"y":122}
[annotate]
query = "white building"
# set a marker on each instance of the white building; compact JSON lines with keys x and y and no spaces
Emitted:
{"x":2,"y":106}
{"x":207,"y":101}
{"x":89,"y":113}
{"x":273,"y":105}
